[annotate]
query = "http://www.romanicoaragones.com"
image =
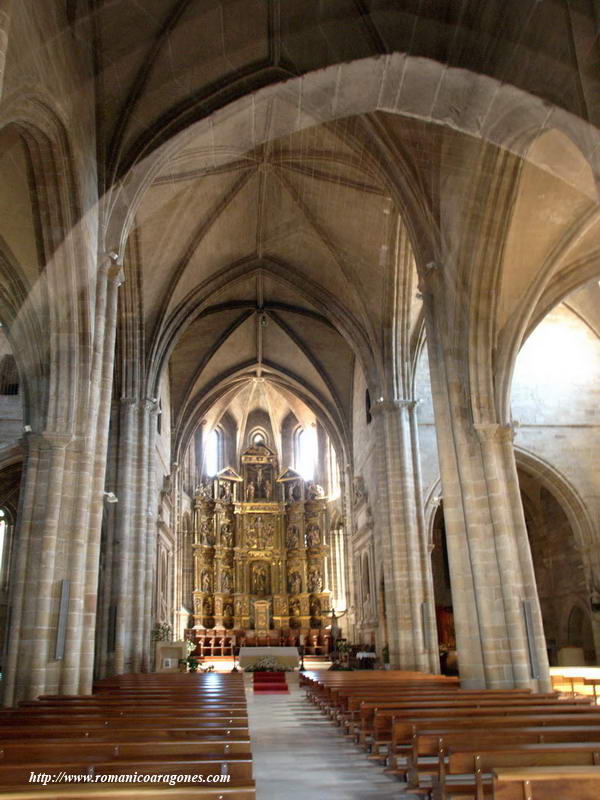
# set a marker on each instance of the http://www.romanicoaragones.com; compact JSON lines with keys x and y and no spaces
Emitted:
{"x":131,"y":777}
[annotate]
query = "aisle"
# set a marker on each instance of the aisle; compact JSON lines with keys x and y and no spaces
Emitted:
{"x":298,"y":754}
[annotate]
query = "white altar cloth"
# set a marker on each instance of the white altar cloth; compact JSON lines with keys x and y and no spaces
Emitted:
{"x":286,"y":656}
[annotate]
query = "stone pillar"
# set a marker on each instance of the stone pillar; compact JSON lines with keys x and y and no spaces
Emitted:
{"x":133,"y":547}
{"x":4,"y":37}
{"x":429,"y":621}
{"x":60,"y":517}
{"x":407,"y":564}
{"x":496,"y":609}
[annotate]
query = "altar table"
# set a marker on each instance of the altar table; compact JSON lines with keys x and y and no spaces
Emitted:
{"x":286,"y":656}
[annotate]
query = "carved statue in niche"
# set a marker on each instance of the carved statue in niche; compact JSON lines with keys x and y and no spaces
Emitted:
{"x":313,"y":535}
{"x":239,"y":608}
{"x":226,"y":584}
{"x":206,"y":581}
{"x":226,"y":534}
{"x":295,"y":608}
{"x":227,"y":559}
{"x":225,"y":491}
{"x":315,"y":581}
{"x":314,"y":491}
{"x":206,"y":532}
{"x":228,"y":610}
{"x":268,"y":490}
{"x":259,"y":584}
{"x":294,"y":492}
{"x":294,"y":583}
{"x":315,"y":607}
{"x":208,"y":606}
{"x":197,"y":605}
{"x":291,"y":537}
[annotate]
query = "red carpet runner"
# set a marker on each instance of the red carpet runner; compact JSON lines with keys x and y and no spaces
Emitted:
{"x":269,"y":683}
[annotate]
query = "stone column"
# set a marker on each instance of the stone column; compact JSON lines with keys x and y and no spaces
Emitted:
{"x":406,"y":565}
{"x":496,"y":609}
{"x":429,"y":622}
{"x":4,"y":37}
{"x":60,"y":518}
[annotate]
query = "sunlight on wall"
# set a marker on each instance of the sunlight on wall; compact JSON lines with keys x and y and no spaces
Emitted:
{"x":307,"y":453}
{"x":557,"y":372}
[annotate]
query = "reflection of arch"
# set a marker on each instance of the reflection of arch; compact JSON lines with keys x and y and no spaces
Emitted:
{"x":513,"y":117}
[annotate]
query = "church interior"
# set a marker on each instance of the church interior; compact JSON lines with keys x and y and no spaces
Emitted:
{"x":299,"y":343}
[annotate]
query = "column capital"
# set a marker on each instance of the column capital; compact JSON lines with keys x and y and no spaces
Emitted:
{"x":149,"y":404}
{"x":381,"y":406}
{"x":128,"y":401}
{"x":110,"y":266}
{"x":494,"y":432}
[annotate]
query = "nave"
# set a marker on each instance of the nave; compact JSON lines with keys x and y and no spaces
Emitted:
{"x":297,"y":755}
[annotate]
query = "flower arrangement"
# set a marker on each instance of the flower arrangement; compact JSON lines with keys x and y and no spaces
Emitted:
{"x":267,"y":664}
{"x":161,"y":632}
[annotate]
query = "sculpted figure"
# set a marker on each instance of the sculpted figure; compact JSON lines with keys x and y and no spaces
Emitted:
{"x":205,"y":582}
{"x":259,"y":581}
{"x":315,"y":581}
{"x":226,"y":535}
{"x":291,"y":539}
{"x":226,"y":582}
{"x":295,"y":583}
{"x":313,"y":536}
{"x":250,"y":491}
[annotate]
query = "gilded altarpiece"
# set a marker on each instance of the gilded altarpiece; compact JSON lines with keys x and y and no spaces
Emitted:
{"x":261,"y":559}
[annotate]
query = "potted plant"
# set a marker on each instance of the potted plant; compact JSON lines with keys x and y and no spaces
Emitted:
{"x":192,"y":664}
{"x":340,"y":659}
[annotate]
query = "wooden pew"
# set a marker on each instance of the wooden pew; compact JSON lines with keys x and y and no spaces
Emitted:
{"x":199,"y":728}
{"x":403,"y":731}
{"x":542,"y":783}
{"x":427,"y":747}
{"x":376,"y":723}
{"x":478,"y":764}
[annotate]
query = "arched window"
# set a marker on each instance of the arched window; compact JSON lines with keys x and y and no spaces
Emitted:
{"x":258,"y":438}
{"x":9,"y":377}
{"x":334,"y":472}
{"x":306,"y":452}
{"x":212,"y":453}
{"x":368,"y":414}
